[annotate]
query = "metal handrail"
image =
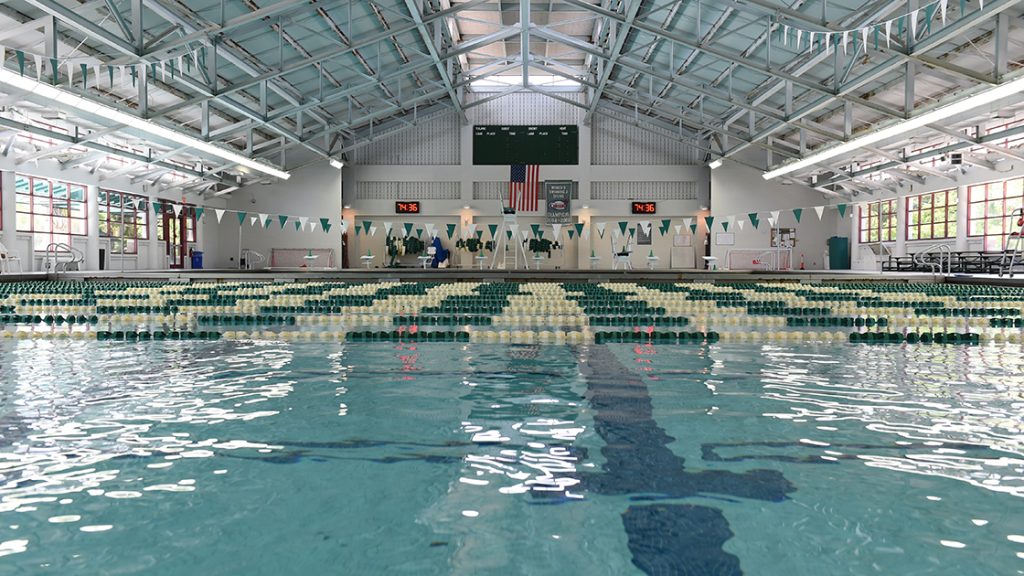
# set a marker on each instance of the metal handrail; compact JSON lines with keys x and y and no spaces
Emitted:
{"x":58,"y":249}
{"x":252,"y":258}
{"x":943,"y":250}
{"x":1012,"y":237}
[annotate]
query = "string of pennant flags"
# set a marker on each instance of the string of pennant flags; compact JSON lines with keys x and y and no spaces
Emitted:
{"x":578,"y":230}
{"x":87,"y":72}
{"x":880,"y":32}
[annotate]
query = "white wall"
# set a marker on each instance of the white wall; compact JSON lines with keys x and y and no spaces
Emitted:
{"x":313,"y":191}
{"x":737,"y":190}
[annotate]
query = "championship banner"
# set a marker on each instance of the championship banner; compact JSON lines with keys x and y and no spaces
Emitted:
{"x":558,"y":197}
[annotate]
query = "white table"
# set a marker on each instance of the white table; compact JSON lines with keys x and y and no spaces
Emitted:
{"x":424,"y":260}
{"x":652,"y":261}
{"x":480,"y":260}
{"x":536,"y":260}
{"x":593,"y":261}
{"x":367,"y":260}
{"x":712,"y":262}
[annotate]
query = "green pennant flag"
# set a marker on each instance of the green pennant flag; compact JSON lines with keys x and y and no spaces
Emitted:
{"x":199,"y":211}
{"x":493,"y":228}
{"x":241,"y":218}
{"x":282,"y":219}
{"x":135,"y":74}
{"x":357,"y":230}
{"x":665,"y":225}
{"x":540,"y":234}
{"x":408,"y":228}
{"x":579,"y":229}
{"x":170,"y":63}
{"x":141,"y":205}
{"x":725,"y":225}
{"x":753,"y":219}
{"x":152,"y":71}
{"x":266,"y":223}
{"x":693,"y":228}
{"x":480,"y":235}
{"x":570,"y":231}
{"x":797,"y":213}
{"x":451,"y":230}
{"x":85,"y":74}
{"x":535,"y":228}
{"x":709,"y":220}
{"x":53,"y":69}
{"x":156,"y":207}
{"x":298,"y":226}
{"x":366,"y":226}
{"x":110,"y":75}
{"x":632,"y":231}
{"x":21,"y":61}
{"x":419,"y":232}
{"x":325,"y":223}
{"x":622,"y":227}
{"x":842,"y":210}
{"x":508,"y":233}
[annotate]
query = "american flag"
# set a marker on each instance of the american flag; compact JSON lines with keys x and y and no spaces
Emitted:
{"x":523,"y":187}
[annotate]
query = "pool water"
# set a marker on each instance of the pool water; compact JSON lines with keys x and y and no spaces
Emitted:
{"x":266,"y":457}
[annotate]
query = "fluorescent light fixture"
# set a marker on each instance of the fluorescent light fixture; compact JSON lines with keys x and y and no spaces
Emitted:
{"x":466,"y":207}
{"x":337,"y":164}
{"x":716,"y":163}
{"x":989,"y":96}
{"x":543,"y":81}
{"x":347,"y":206}
{"x":66,"y":98}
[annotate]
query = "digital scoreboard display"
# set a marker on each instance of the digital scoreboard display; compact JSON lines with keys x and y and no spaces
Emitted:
{"x":543,"y":145}
{"x":644,"y":207}
{"x":407,"y":207}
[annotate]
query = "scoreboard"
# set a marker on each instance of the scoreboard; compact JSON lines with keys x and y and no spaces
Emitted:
{"x":496,"y":145}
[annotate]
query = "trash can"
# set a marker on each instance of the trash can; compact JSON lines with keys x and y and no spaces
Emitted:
{"x":197,"y":260}
{"x":839,"y":253}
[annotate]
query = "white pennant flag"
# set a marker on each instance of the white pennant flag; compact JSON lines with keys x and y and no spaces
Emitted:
{"x":828,"y":44}
{"x":799,"y":36}
{"x":405,"y":233}
{"x":373,"y":230}
{"x":312,"y":226}
{"x":913,"y":24}
{"x":124,"y":78}
{"x":846,"y":38}
{"x":303,"y":220}
{"x":646,"y":225}
{"x":431,"y":230}
{"x":387,"y":228}
{"x":600,"y":228}
{"x":163,"y":70}
{"x":785,"y":35}
{"x":888,"y":33}
{"x":220,"y":213}
{"x":942,"y":10}
{"x":775,"y":214}
{"x":39,"y":66}
{"x":771,"y":222}
{"x":679,"y":229}
{"x":471,"y":229}
{"x":195,"y":58}
{"x":739,"y":224}
{"x":864,"y":35}
{"x":263,"y":219}
{"x":557,"y":230}
{"x":515,"y":229}
{"x":98,"y":69}
{"x":819,"y":210}
{"x":586,"y":233}
{"x":523,"y":233}
{"x":731,"y":220}
{"x":177,"y":209}
{"x":252,"y":221}
{"x":181,"y":65}
{"x":71,"y":74}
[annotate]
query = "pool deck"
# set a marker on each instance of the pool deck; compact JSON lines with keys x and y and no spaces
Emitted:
{"x":464,"y":274}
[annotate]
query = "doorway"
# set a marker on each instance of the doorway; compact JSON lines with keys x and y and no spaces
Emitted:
{"x":175,"y":236}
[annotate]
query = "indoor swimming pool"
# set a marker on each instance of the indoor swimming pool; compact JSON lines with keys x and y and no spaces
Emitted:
{"x":719,"y":454}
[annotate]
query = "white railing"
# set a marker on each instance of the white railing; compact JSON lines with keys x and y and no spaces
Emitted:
{"x":945,"y":252}
{"x":253,"y":259}
{"x":1014,"y":241}
{"x":61,"y":257}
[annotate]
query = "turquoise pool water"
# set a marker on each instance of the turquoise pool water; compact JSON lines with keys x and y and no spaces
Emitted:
{"x":376,"y":458}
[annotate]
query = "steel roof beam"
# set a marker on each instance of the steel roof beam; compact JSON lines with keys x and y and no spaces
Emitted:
{"x":612,"y":60}
{"x":442,"y":68}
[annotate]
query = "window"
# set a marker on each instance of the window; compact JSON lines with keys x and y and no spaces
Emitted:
{"x":53,"y":211}
{"x":878,"y":222}
{"x":990,"y":211}
{"x":124,"y":219}
{"x":190,"y":220}
{"x":932,"y":216}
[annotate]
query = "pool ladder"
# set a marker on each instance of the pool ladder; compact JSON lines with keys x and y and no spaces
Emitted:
{"x":945,"y":252}
{"x":53,"y":262}
{"x":1012,"y":249}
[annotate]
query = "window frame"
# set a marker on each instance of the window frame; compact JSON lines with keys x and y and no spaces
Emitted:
{"x":51,"y":217}
{"x":868,"y":222}
{"x":913,"y":230}
{"x":125,"y":244}
{"x":190,"y":220}
{"x":1002,"y":199}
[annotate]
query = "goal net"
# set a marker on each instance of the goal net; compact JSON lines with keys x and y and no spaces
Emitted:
{"x":302,"y":258}
{"x":760,"y":259}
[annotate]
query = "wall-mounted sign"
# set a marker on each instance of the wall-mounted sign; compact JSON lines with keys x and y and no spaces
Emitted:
{"x":407,"y":207}
{"x":644,"y":207}
{"x":558,"y":199}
